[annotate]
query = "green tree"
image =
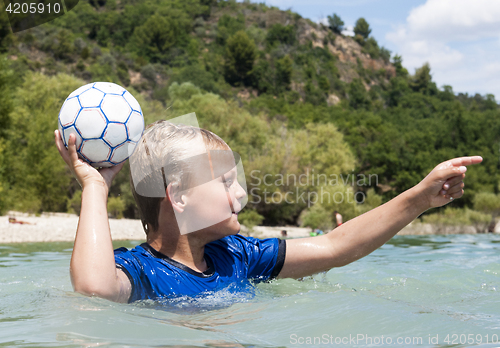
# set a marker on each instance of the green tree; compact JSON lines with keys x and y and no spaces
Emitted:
{"x":227,"y":25}
{"x":160,"y":33}
{"x":155,"y":37}
{"x":284,"y":34}
{"x":397,"y":61}
{"x":371,"y":47}
{"x":207,"y":7}
{"x":6,"y":94}
{"x":397,"y":88}
{"x":5,"y":32}
{"x":284,"y":70}
{"x":38,"y":178}
{"x":362,"y":28}
{"x":422,"y":81}
{"x":239,"y":58}
{"x":335,"y":23}
{"x":358,"y":97}
{"x":385,"y":54}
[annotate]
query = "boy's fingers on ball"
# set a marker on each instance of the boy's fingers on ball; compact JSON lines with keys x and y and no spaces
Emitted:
{"x":118,"y":167}
{"x":58,"y":140}
{"x":72,"y":148}
{"x":61,"y":148}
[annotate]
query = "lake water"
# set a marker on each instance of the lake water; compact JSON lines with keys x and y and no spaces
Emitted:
{"x":422,"y":291}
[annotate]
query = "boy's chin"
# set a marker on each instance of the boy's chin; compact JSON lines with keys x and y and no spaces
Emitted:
{"x":228,"y":227}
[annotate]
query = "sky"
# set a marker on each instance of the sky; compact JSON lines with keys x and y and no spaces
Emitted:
{"x":460,"y":39}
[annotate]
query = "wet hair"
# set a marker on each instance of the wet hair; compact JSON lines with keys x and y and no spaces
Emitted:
{"x":165,"y":145}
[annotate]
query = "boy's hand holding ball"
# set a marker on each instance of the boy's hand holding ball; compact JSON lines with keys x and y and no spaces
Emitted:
{"x":99,"y":126}
{"x":105,"y":119}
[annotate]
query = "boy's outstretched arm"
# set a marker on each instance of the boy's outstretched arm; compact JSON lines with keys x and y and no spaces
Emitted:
{"x":92,"y":269}
{"x":366,"y":233}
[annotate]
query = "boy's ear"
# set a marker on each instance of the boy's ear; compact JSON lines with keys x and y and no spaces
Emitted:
{"x":173,"y":194}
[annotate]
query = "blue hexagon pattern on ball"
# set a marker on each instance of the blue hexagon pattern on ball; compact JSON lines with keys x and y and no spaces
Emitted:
{"x":107,"y":121}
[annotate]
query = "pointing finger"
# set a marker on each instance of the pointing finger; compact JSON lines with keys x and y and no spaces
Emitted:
{"x":466,"y":161}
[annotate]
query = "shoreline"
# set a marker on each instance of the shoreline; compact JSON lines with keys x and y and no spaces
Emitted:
{"x":61,"y":227}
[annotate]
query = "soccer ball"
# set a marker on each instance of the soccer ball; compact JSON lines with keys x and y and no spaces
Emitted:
{"x":107,"y":121}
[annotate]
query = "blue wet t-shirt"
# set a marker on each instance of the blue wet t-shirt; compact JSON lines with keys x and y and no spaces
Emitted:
{"x":233,"y":259}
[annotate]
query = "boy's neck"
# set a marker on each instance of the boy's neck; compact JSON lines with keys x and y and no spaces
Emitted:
{"x":184,"y":249}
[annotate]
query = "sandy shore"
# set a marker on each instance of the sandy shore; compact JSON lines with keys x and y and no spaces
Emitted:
{"x":59,"y":227}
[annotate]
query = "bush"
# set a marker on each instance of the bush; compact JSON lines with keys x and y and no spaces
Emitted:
{"x":479,"y":220}
{"x":183,"y":92}
{"x":317,"y":217}
{"x":458,"y":217}
{"x":449,"y":217}
{"x":74,"y":205}
{"x":116,"y":207}
{"x":372,"y":200}
{"x":250,"y":218}
{"x":279,"y":33}
{"x":487,"y":202}
{"x":197,"y":75}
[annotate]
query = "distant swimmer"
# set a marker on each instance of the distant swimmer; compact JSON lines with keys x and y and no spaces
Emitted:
{"x":13,"y":220}
{"x":338,"y":218}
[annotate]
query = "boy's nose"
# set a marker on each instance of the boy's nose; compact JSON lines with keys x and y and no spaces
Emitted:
{"x":240,"y":191}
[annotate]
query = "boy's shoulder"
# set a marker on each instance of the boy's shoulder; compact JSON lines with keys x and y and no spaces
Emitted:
{"x":138,"y":249}
{"x":235,"y":244}
{"x":232,"y":243}
{"x":236,"y":240}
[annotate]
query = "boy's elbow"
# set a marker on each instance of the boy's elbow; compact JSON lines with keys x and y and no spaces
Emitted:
{"x":94,"y":290}
{"x":87,"y":290}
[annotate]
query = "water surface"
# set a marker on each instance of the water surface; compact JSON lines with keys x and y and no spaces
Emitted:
{"x":414,"y":291}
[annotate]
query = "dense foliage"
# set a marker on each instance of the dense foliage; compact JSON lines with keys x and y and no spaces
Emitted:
{"x":268,"y":81}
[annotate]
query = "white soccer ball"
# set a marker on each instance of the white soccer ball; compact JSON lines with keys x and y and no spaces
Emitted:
{"x":107,"y":121}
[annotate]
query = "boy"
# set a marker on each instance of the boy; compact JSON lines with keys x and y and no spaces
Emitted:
{"x":179,"y":259}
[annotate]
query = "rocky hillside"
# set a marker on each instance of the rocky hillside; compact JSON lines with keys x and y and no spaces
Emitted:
{"x":138,"y":46}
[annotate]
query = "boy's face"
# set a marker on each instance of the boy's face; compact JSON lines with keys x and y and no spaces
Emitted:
{"x":218,"y":201}
{"x":215,"y":195}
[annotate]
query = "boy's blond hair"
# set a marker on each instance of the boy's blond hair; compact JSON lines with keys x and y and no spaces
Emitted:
{"x":165,"y":144}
